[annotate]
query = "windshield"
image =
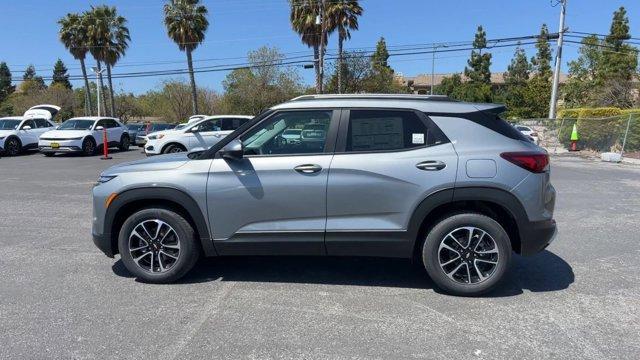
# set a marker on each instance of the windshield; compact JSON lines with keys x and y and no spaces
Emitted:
{"x":181,"y":126}
{"x":159,"y":127}
{"x":77,"y":124}
{"x":9,"y":124}
{"x":135,"y":127}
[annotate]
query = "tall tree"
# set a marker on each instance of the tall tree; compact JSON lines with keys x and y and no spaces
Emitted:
{"x":516,"y":78}
{"x":31,"y":76}
{"x":343,"y":16}
{"x":73,"y":35}
{"x":584,"y":80}
{"x":542,"y":61}
{"x":478,"y":70}
{"x":96,"y":21}
{"x":303,"y":17}
{"x":116,"y":45}
{"x":5,"y":81}
{"x":186,"y":23}
{"x":619,"y":63}
{"x":60,"y":75}
{"x":382,"y":78}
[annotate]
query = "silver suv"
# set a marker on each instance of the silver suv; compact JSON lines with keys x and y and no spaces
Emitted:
{"x":421,"y":177}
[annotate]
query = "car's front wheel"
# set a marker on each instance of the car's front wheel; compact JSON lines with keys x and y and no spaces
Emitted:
{"x":158,"y":245}
{"x":467,"y":254}
{"x":12,"y":146}
{"x":89,"y":147}
{"x":124,"y":143}
{"x":173,"y":148}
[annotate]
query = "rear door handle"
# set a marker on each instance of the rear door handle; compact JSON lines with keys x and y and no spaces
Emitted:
{"x":431,"y":165}
{"x":308,"y":168}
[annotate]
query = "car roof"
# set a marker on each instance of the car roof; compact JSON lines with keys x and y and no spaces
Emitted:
{"x":226,"y":116}
{"x":13,"y":118}
{"x":425,"y":103}
{"x":93,"y":118}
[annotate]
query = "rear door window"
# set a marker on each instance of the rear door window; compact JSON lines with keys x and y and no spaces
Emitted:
{"x":390,"y":130}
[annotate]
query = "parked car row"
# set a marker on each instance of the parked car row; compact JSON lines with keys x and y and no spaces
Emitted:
{"x":36,"y":130}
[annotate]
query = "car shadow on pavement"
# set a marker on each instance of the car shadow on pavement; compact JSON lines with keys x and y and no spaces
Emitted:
{"x":540,"y":273}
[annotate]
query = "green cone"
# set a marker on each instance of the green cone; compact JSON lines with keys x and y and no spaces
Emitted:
{"x":574,"y":133}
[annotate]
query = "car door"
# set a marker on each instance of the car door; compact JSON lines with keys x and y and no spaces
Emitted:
{"x":386,"y":163}
{"x":204,"y":135}
{"x":99,"y":134}
{"x":273,"y":199}
{"x":115,"y":132}
{"x":29,"y":136}
{"x":42,"y":127}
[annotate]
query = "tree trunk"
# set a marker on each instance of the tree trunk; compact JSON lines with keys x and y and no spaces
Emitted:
{"x":112,"y":100}
{"x":103,"y":97}
{"x":316,"y":66}
{"x":87,"y":90}
{"x":194,"y":92}
{"x":340,"y":41}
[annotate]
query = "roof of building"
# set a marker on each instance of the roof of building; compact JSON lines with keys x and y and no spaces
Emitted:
{"x":424,"y":80}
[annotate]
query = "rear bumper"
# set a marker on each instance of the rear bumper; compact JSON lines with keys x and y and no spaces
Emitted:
{"x":536,"y":236}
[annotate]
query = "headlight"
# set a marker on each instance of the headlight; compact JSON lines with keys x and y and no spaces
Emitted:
{"x":155,"y":137}
{"x":105,"y":178}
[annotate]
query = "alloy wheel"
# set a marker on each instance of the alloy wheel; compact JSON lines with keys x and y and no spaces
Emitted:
{"x":154,"y":246}
{"x":12,"y":147}
{"x":468,"y":255}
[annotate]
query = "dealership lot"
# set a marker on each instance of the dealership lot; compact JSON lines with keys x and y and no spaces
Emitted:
{"x":61,"y":298}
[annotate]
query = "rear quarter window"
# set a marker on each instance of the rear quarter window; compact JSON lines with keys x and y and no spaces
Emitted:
{"x":497,"y":124}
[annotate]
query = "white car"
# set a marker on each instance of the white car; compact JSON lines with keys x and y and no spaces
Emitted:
{"x":84,"y":135}
{"x":528,"y":132}
{"x":195,"y":136}
{"x":18,"y":133}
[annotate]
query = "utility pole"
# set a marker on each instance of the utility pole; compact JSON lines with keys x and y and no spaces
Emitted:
{"x":320,"y":20}
{"x":433,"y":68}
{"x":98,"y":72}
{"x":556,"y":72}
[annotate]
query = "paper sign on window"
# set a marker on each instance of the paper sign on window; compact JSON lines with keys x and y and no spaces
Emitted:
{"x":417,"y":138}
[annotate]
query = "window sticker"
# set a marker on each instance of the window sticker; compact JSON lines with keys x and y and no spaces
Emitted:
{"x":417,"y":138}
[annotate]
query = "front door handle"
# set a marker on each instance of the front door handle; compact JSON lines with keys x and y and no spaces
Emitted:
{"x":431,"y":165}
{"x":308,"y":168}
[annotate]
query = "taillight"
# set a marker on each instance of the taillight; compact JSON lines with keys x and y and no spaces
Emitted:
{"x":535,"y":162}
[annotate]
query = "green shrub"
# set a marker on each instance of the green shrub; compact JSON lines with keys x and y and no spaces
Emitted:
{"x":599,"y":129}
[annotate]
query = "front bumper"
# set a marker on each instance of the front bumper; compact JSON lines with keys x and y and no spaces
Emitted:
{"x":536,"y":236}
{"x":152,"y":147}
{"x":103,"y":242}
{"x":65,"y":146}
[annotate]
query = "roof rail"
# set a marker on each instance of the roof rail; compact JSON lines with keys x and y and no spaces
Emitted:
{"x":412,"y":97}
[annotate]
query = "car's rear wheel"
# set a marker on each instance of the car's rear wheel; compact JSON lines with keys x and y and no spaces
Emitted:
{"x":124,"y":143}
{"x":158,"y":245}
{"x":12,"y":146}
{"x":173,"y":148}
{"x":467,"y":254}
{"x":88,"y":147}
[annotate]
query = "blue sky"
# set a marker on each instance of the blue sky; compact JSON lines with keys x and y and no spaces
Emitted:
{"x":28,"y":32}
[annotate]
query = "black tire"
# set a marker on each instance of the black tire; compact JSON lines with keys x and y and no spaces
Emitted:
{"x":124,"y":143}
{"x":173,"y":148}
{"x":189,"y":249}
{"x":458,"y":283}
{"x":12,"y":146}
{"x":89,"y":146}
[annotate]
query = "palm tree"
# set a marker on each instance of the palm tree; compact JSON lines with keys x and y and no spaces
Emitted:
{"x":116,"y":47}
{"x":109,"y":39}
{"x":73,"y":34}
{"x":97,"y":24}
{"x":343,"y":16}
{"x":304,"y":14}
{"x":186,"y":23}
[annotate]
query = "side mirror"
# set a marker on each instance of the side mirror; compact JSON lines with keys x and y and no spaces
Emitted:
{"x":99,"y":128}
{"x":195,"y":129}
{"x":233,"y":150}
{"x":26,"y":127}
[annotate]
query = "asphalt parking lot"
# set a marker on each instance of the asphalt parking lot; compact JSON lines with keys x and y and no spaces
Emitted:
{"x":61,"y":298}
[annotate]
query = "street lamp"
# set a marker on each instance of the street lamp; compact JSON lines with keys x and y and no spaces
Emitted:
{"x":98,"y":72}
